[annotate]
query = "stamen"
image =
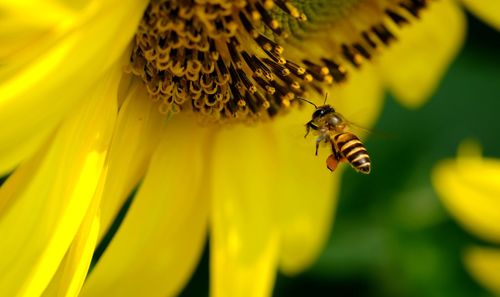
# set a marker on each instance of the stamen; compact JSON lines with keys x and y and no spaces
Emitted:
{"x":351,"y":56}
{"x":368,"y":39}
{"x":383,"y":33}
{"x":268,"y":20}
{"x":339,"y":73}
{"x":414,"y":6}
{"x":396,"y":18}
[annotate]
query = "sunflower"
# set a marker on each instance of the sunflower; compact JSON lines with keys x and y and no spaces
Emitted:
{"x":468,"y":187}
{"x":191,"y":105}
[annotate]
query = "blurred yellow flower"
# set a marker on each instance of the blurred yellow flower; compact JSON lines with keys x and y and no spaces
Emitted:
{"x":469,"y":188}
{"x":78,"y":135}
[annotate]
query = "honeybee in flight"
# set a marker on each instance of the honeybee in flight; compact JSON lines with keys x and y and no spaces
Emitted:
{"x":331,"y":128}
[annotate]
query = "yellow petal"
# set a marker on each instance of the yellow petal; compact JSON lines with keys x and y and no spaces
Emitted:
{"x":487,"y":10}
{"x":306,"y":191}
{"x":71,"y":274}
{"x":24,"y":31}
{"x":46,"y":199}
{"x":484,"y":265}
{"x":136,"y":135}
{"x":44,"y":90}
{"x":243,"y":242}
{"x":413,"y":66}
{"x":470,"y":190}
{"x":160,"y":240}
{"x":19,"y":151}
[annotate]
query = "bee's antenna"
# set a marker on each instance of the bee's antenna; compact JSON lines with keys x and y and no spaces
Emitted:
{"x":326,"y":96}
{"x":310,"y":102}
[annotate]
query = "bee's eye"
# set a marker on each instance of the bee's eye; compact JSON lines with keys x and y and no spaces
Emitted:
{"x":318,"y":113}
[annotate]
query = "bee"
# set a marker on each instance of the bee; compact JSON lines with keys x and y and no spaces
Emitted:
{"x":331,"y":128}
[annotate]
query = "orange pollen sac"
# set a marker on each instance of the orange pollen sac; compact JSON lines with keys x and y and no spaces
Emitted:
{"x":222,"y":59}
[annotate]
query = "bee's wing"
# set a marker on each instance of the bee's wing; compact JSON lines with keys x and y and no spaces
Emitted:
{"x":352,"y":121}
{"x":358,"y":127}
{"x":365,"y":132}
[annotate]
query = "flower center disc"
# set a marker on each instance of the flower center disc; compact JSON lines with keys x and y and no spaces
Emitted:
{"x":223,"y":59}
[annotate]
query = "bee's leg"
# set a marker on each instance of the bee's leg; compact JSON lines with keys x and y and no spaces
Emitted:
{"x":319,"y":140}
{"x":308,"y":128}
{"x":332,"y":162}
{"x":335,"y":152}
{"x":338,"y":156}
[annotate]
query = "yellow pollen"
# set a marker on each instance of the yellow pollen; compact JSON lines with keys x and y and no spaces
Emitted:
{"x":274,"y":24}
{"x":308,"y":78}
{"x":268,"y":4}
{"x":256,"y":16}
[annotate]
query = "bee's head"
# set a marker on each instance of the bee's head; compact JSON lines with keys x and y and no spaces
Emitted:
{"x":322,"y":111}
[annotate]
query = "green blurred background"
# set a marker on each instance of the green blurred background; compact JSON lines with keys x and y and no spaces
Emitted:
{"x":391,"y":236}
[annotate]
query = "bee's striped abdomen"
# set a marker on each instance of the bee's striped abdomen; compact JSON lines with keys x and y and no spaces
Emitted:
{"x":350,"y":147}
